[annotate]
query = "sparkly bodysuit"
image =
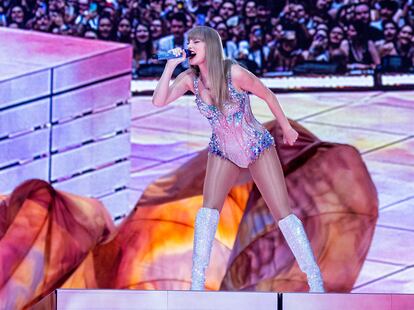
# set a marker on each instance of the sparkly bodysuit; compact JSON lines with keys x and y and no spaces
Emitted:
{"x":236,"y":134}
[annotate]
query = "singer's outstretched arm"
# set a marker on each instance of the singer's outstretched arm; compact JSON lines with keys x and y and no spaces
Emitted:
{"x":164,"y":93}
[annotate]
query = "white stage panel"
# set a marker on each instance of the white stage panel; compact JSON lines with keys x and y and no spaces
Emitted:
{"x":24,"y":147}
{"x":106,"y":299}
{"x":90,"y":127}
{"x":85,"y":84}
{"x":92,"y":98}
{"x":402,"y":301}
{"x":24,"y":118}
{"x":303,"y":301}
{"x":12,"y":90}
{"x":189,"y":300}
{"x":97,"y":183}
{"x":50,"y":50}
{"x":157,"y":300}
{"x":118,"y":204}
{"x":90,"y":156}
{"x":92,"y":69}
{"x":219,"y":300}
{"x":12,"y":177}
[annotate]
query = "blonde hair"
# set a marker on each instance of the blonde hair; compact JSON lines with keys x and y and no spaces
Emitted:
{"x":218,"y":67}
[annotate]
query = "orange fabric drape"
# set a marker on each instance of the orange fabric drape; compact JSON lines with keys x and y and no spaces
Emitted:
{"x":46,"y":235}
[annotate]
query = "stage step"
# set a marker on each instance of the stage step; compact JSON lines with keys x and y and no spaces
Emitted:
{"x":195,"y":300}
{"x":157,"y":300}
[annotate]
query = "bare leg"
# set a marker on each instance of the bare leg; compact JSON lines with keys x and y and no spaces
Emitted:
{"x":268,"y":175}
{"x":220,"y":177}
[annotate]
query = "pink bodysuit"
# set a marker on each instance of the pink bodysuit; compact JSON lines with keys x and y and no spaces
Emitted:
{"x":236,"y":134}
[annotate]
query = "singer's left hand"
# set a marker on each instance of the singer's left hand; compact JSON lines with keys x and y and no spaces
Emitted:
{"x":290,"y":136}
{"x":177,"y":52}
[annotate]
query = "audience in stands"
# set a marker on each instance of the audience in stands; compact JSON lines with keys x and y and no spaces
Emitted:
{"x":266,"y":36}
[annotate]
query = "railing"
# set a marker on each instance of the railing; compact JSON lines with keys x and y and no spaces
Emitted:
{"x":282,"y":83}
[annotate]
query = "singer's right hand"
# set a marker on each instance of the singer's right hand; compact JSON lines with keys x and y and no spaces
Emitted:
{"x":176,"y":61}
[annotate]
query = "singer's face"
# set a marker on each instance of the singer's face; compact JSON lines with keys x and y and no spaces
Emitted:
{"x":198,"y":47}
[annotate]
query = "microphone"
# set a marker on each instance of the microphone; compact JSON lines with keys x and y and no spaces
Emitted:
{"x":165,"y":55}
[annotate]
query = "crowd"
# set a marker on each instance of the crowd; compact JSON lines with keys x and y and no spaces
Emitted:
{"x":266,"y":36}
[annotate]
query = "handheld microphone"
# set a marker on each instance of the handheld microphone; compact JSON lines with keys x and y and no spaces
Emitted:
{"x":165,"y":55}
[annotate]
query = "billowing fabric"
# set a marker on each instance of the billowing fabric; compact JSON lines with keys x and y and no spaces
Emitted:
{"x":45,"y":235}
{"x":236,"y":134}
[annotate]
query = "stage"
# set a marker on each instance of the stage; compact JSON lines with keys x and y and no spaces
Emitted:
{"x":196,"y":300}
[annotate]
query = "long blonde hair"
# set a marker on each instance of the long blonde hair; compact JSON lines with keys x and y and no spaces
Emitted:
{"x":217,"y":66}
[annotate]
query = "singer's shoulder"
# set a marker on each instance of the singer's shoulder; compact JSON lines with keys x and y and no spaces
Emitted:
{"x":240,"y":76}
{"x":237,"y":71}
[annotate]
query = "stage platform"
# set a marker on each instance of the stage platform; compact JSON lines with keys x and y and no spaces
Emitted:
{"x":65,"y":115}
{"x":218,"y":300}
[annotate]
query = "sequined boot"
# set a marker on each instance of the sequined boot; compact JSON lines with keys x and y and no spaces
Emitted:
{"x":298,"y":242}
{"x":204,"y":231}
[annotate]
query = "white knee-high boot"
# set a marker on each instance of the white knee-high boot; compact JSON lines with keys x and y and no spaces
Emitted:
{"x":295,"y":235}
{"x":204,"y":231}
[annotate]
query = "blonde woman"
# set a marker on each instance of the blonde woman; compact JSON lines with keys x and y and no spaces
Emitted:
{"x":238,"y":141}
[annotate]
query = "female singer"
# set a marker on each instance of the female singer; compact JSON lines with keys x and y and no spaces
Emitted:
{"x":238,"y":141}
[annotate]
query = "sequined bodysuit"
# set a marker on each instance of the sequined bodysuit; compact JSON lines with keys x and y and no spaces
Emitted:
{"x":236,"y":134}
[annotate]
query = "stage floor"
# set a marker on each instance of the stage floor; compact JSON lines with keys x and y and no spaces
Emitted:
{"x":379,"y":124}
{"x":207,"y":300}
